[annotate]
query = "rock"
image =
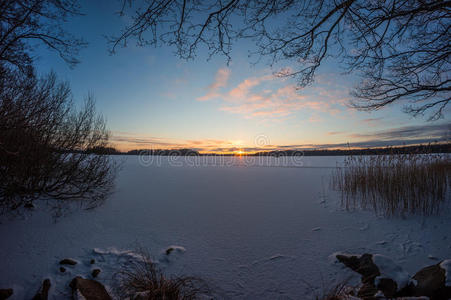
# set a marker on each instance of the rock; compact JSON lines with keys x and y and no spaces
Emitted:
{"x":89,"y":289}
{"x":43,"y":293}
{"x":178,"y":249}
{"x":6,"y":293}
{"x":363,"y":265}
{"x":95,"y":273}
{"x":367,"y":291}
{"x":388,"y":287}
{"x":62,"y":269}
{"x":431,"y":283}
{"x":93,"y":261}
{"x":29,"y":205}
{"x":68,"y":261}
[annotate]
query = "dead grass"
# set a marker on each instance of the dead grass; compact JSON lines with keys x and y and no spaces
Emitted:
{"x":142,"y":279}
{"x":395,"y":184}
{"x":338,"y":292}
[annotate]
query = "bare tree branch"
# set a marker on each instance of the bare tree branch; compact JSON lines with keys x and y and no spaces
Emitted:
{"x":400,"y":48}
{"x":23,"y":21}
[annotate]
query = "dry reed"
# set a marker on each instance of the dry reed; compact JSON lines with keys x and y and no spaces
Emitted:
{"x":340,"y":291}
{"x":395,"y":184}
{"x":142,"y":279}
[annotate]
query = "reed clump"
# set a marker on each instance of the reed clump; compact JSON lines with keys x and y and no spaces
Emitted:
{"x":395,"y":184}
{"x":142,"y":279}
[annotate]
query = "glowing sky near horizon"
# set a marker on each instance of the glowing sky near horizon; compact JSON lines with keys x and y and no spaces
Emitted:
{"x":152,"y":99}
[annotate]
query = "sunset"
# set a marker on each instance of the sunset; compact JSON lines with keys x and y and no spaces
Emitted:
{"x":225,"y":149}
{"x":153,"y":99}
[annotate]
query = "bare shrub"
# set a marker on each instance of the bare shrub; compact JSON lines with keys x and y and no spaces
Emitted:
{"x":394,"y":184}
{"x":43,"y":143}
{"x":142,"y":279}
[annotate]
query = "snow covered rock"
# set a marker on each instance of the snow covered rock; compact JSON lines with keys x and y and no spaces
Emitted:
{"x":446,"y":265}
{"x":431,"y":282}
{"x":387,"y":286}
{"x":88,"y":289}
{"x":171,"y":249}
{"x":43,"y":293}
{"x":382,"y":277}
{"x":95,"y":273}
{"x":68,"y":261}
{"x":5,"y":293}
{"x":379,"y":273}
{"x":29,"y":205}
{"x":392,"y":277}
{"x":363,"y":265}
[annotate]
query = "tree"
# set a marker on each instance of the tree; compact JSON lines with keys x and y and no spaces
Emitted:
{"x":27,"y":23}
{"x":45,"y":142}
{"x":401,"y":48}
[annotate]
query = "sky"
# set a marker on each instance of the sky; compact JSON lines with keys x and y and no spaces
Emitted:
{"x":151,"y":99}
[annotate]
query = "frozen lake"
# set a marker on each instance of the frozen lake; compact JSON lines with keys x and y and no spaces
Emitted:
{"x":253,"y":229}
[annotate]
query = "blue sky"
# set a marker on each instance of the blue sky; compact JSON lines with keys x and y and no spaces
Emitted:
{"x":152,"y":99}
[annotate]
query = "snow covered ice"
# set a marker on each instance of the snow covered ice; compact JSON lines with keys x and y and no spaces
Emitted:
{"x":252,"y":231}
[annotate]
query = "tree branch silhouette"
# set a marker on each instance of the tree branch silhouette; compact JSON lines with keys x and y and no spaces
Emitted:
{"x":399,"y":48}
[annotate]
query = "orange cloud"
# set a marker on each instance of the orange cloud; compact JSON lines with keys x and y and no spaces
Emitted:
{"x":266,"y":103}
{"x":221,"y":79}
{"x":256,"y":97}
{"x":125,"y":141}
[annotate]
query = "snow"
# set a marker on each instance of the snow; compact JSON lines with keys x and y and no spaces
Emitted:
{"x":175,"y":248}
{"x":389,"y":269}
{"x":446,"y":265}
{"x":79,"y":296}
{"x":245,"y":227}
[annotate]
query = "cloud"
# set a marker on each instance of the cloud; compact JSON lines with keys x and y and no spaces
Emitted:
{"x":315,"y":118}
{"x":243,"y":89}
{"x":363,"y":144}
{"x":250,"y":102}
{"x":407,"y":135}
{"x":270,"y":97}
{"x":434,"y":131}
{"x":334,"y":132}
{"x":221,"y":79}
{"x":130,"y":140}
{"x":126,"y":141}
{"x":372,"y":120}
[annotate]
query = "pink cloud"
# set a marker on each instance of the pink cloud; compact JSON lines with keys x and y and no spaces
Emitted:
{"x":254,"y":98}
{"x":221,"y":79}
{"x":266,"y":103}
{"x":126,"y":141}
{"x":334,"y":132}
{"x":315,"y":118}
{"x":243,"y":89}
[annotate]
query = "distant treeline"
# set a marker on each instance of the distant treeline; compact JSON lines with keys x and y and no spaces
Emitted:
{"x":419,"y":149}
